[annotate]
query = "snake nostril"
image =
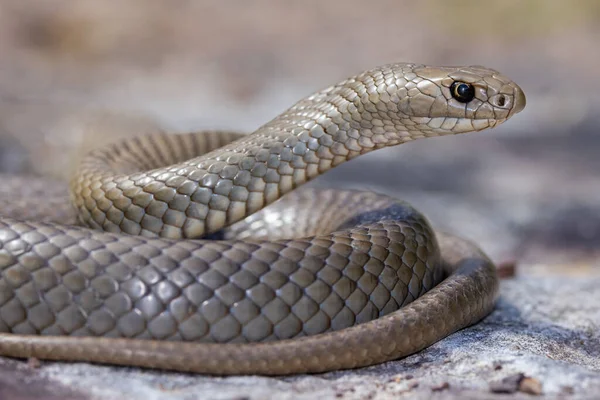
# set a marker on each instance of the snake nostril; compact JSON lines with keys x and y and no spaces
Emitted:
{"x":501,"y":101}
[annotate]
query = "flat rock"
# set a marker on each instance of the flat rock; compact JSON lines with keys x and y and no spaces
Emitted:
{"x":544,"y":329}
{"x":528,"y":192}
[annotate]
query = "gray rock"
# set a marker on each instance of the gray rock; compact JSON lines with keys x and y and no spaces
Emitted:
{"x":545,"y":328}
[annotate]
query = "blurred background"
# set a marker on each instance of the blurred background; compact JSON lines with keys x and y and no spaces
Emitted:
{"x":75,"y":75}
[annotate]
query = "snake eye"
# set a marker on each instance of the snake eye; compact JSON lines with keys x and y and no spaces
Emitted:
{"x":463,"y":92}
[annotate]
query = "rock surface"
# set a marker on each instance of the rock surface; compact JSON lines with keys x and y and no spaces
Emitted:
{"x":73,"y":77}
{"x":545,"y":328}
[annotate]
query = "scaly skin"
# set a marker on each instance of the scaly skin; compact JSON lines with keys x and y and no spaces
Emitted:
{"x":324,"y":279}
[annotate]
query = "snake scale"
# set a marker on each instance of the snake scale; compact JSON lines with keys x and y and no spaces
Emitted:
{"x":181,"y":266}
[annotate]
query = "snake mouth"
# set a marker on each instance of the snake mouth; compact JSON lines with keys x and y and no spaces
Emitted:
{"x":465,"y":125}
{"x":449,"y":126}
{"x":492,"y":123}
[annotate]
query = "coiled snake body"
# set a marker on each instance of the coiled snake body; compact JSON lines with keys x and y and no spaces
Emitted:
{"x":324,"y":279}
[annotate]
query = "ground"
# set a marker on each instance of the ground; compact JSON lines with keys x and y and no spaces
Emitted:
{"x":75,"y":76}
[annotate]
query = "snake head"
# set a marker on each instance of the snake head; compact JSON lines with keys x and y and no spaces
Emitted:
{"x":402,"y":102}
{"x":448,"y":100}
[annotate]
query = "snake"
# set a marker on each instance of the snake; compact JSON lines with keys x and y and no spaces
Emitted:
{"x":197,"y":252}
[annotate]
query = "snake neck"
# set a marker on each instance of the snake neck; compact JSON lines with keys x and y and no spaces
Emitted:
{"x":133,"y":192}
{"x":203,"y":194}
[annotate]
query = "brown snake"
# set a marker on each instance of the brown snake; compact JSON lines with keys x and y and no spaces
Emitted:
{"x":325,"y":280}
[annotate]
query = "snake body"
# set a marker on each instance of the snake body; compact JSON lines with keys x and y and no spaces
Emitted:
{"x":192,"y":268}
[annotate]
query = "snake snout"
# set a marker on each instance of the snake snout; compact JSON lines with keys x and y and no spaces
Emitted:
{"x":520,"y":101}
{"x":511,"y":98}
